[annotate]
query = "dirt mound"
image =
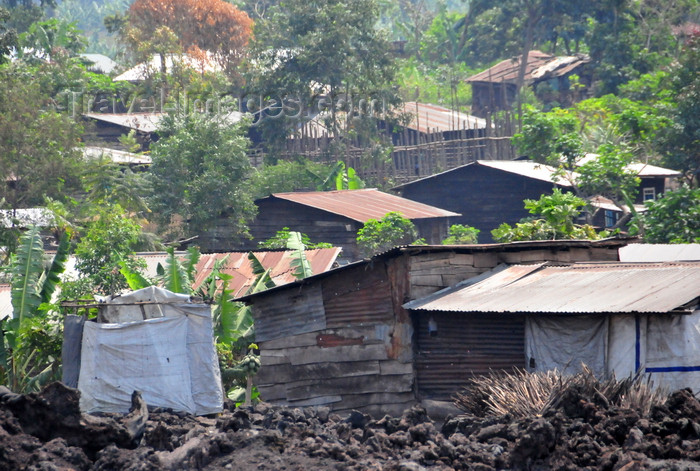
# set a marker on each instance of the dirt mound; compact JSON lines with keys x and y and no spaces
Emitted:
{"x":46,"y":431}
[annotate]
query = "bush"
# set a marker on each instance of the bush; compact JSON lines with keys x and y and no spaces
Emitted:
{"x":379,"y":235}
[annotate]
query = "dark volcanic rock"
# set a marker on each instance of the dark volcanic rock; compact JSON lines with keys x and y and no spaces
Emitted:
{"x":46,"y":431}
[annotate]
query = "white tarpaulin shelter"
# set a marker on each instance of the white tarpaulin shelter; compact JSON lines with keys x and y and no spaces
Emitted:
{"x":156,"y":342}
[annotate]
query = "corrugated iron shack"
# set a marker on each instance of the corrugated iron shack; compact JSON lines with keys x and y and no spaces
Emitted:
{"x":342,"y":338}
{"x":335,"y":217}
{"x":617,"y":318}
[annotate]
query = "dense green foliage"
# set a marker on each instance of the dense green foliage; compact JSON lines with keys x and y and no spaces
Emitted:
{"x":461,"y":234}
{"x":554,"y":217}
{"x":674,"y":218}
{"x":110,"y":239}
{"x":198,"y":173}
{"x":37,"y":142}
{"x":281,"y":238}
{"x":378,"y":235}
{"x":323,"y":57}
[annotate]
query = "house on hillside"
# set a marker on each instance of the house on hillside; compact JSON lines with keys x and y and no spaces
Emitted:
{"x":653,"y":180}
{"x":343,"y":339}
{"x":617,"y":318}
{"x":110,"y":126}
{"x":119,"y":157}
{"x":494,"y":89}
{"x":487,"y":192}
{"x":154,"y":65}
{"x":98,"y":63}
{"x":333,"y":217}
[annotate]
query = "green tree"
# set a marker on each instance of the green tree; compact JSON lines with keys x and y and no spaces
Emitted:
{"x":198,"y":175}
{"x":38,"y":152}
{"x":554,"y":217}
{"x":681,"y":145}
{"x":110,"y":239}
{"x":673,"y":218}
{"x":378,"y":235}
{"x":323,"y":56}
{"x":8,"y":36}
{"x":286,"y":176}
{"x":25,"y":12}
{"x":50,"y":37}
{"x":461,"y":234}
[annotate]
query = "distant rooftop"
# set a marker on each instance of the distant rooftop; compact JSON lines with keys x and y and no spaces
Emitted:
{"x":539,"y":65}
{"x":362,"y":205}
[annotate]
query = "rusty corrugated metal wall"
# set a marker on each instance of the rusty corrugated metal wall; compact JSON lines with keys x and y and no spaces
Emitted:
{"x":362,"y":297}
{"x":286,"y":314}
{"x":465,"y":345}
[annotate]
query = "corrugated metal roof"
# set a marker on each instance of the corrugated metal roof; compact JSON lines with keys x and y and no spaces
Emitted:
{"x":279,"y":263}
{"x":142,"y":71}
{"x":238,"y":265}
{"x":116,"y":156}
{"x":530,"y":169}
{"x":526,"y":168}
{"x":99,"y":63}
{"x":659,"y":252}
{"x":648,"y":170}
{"x":148,"y":122}
{"x":428,"y":118}
{"x":5,"y":301}
{"x":145,"y":122}
{"x":575,"y":289}
{"x":639,"y":168}
{"x":365,"y":204}
{"x":539,"y":65}
{"x":25,"y":217}
{"x":612,"y":242}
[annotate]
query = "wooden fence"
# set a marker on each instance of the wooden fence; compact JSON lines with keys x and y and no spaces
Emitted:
{"x":411,"y":155}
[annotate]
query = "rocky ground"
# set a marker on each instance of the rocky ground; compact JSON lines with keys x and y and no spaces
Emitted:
{"x":46,"y":431}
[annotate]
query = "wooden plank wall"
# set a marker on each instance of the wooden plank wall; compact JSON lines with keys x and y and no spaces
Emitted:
{"x":348,"y":363}
{"x":431,"y":272}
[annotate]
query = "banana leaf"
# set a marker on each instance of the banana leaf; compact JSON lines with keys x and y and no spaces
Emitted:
{"x":27,"y":270}
{"x":190,"y":262}
{"x":58,"y":266}
{"x":134,"y":279}
{"x":263,"y":279}
{"x":299,"y":263}
{"x":175,"y":277}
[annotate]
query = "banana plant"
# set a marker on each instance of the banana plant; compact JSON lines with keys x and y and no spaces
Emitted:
{"x":177,"y":276}
{"x":339,"y":178}
{"x":33,"y":284}
{"x":300,"y":264}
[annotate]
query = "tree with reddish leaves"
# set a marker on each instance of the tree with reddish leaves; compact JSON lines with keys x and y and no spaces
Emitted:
{"x":196,"y":27}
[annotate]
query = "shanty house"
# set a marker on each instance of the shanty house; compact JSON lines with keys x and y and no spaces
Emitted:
{"x":334,"y":217}
{"x":343,"y":339}
{"x":617,"y":318}
{"x":494,"y":89}
{"x":487,"y":192}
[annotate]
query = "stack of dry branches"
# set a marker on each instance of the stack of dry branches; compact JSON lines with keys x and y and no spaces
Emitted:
{"x":522,"y":393}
